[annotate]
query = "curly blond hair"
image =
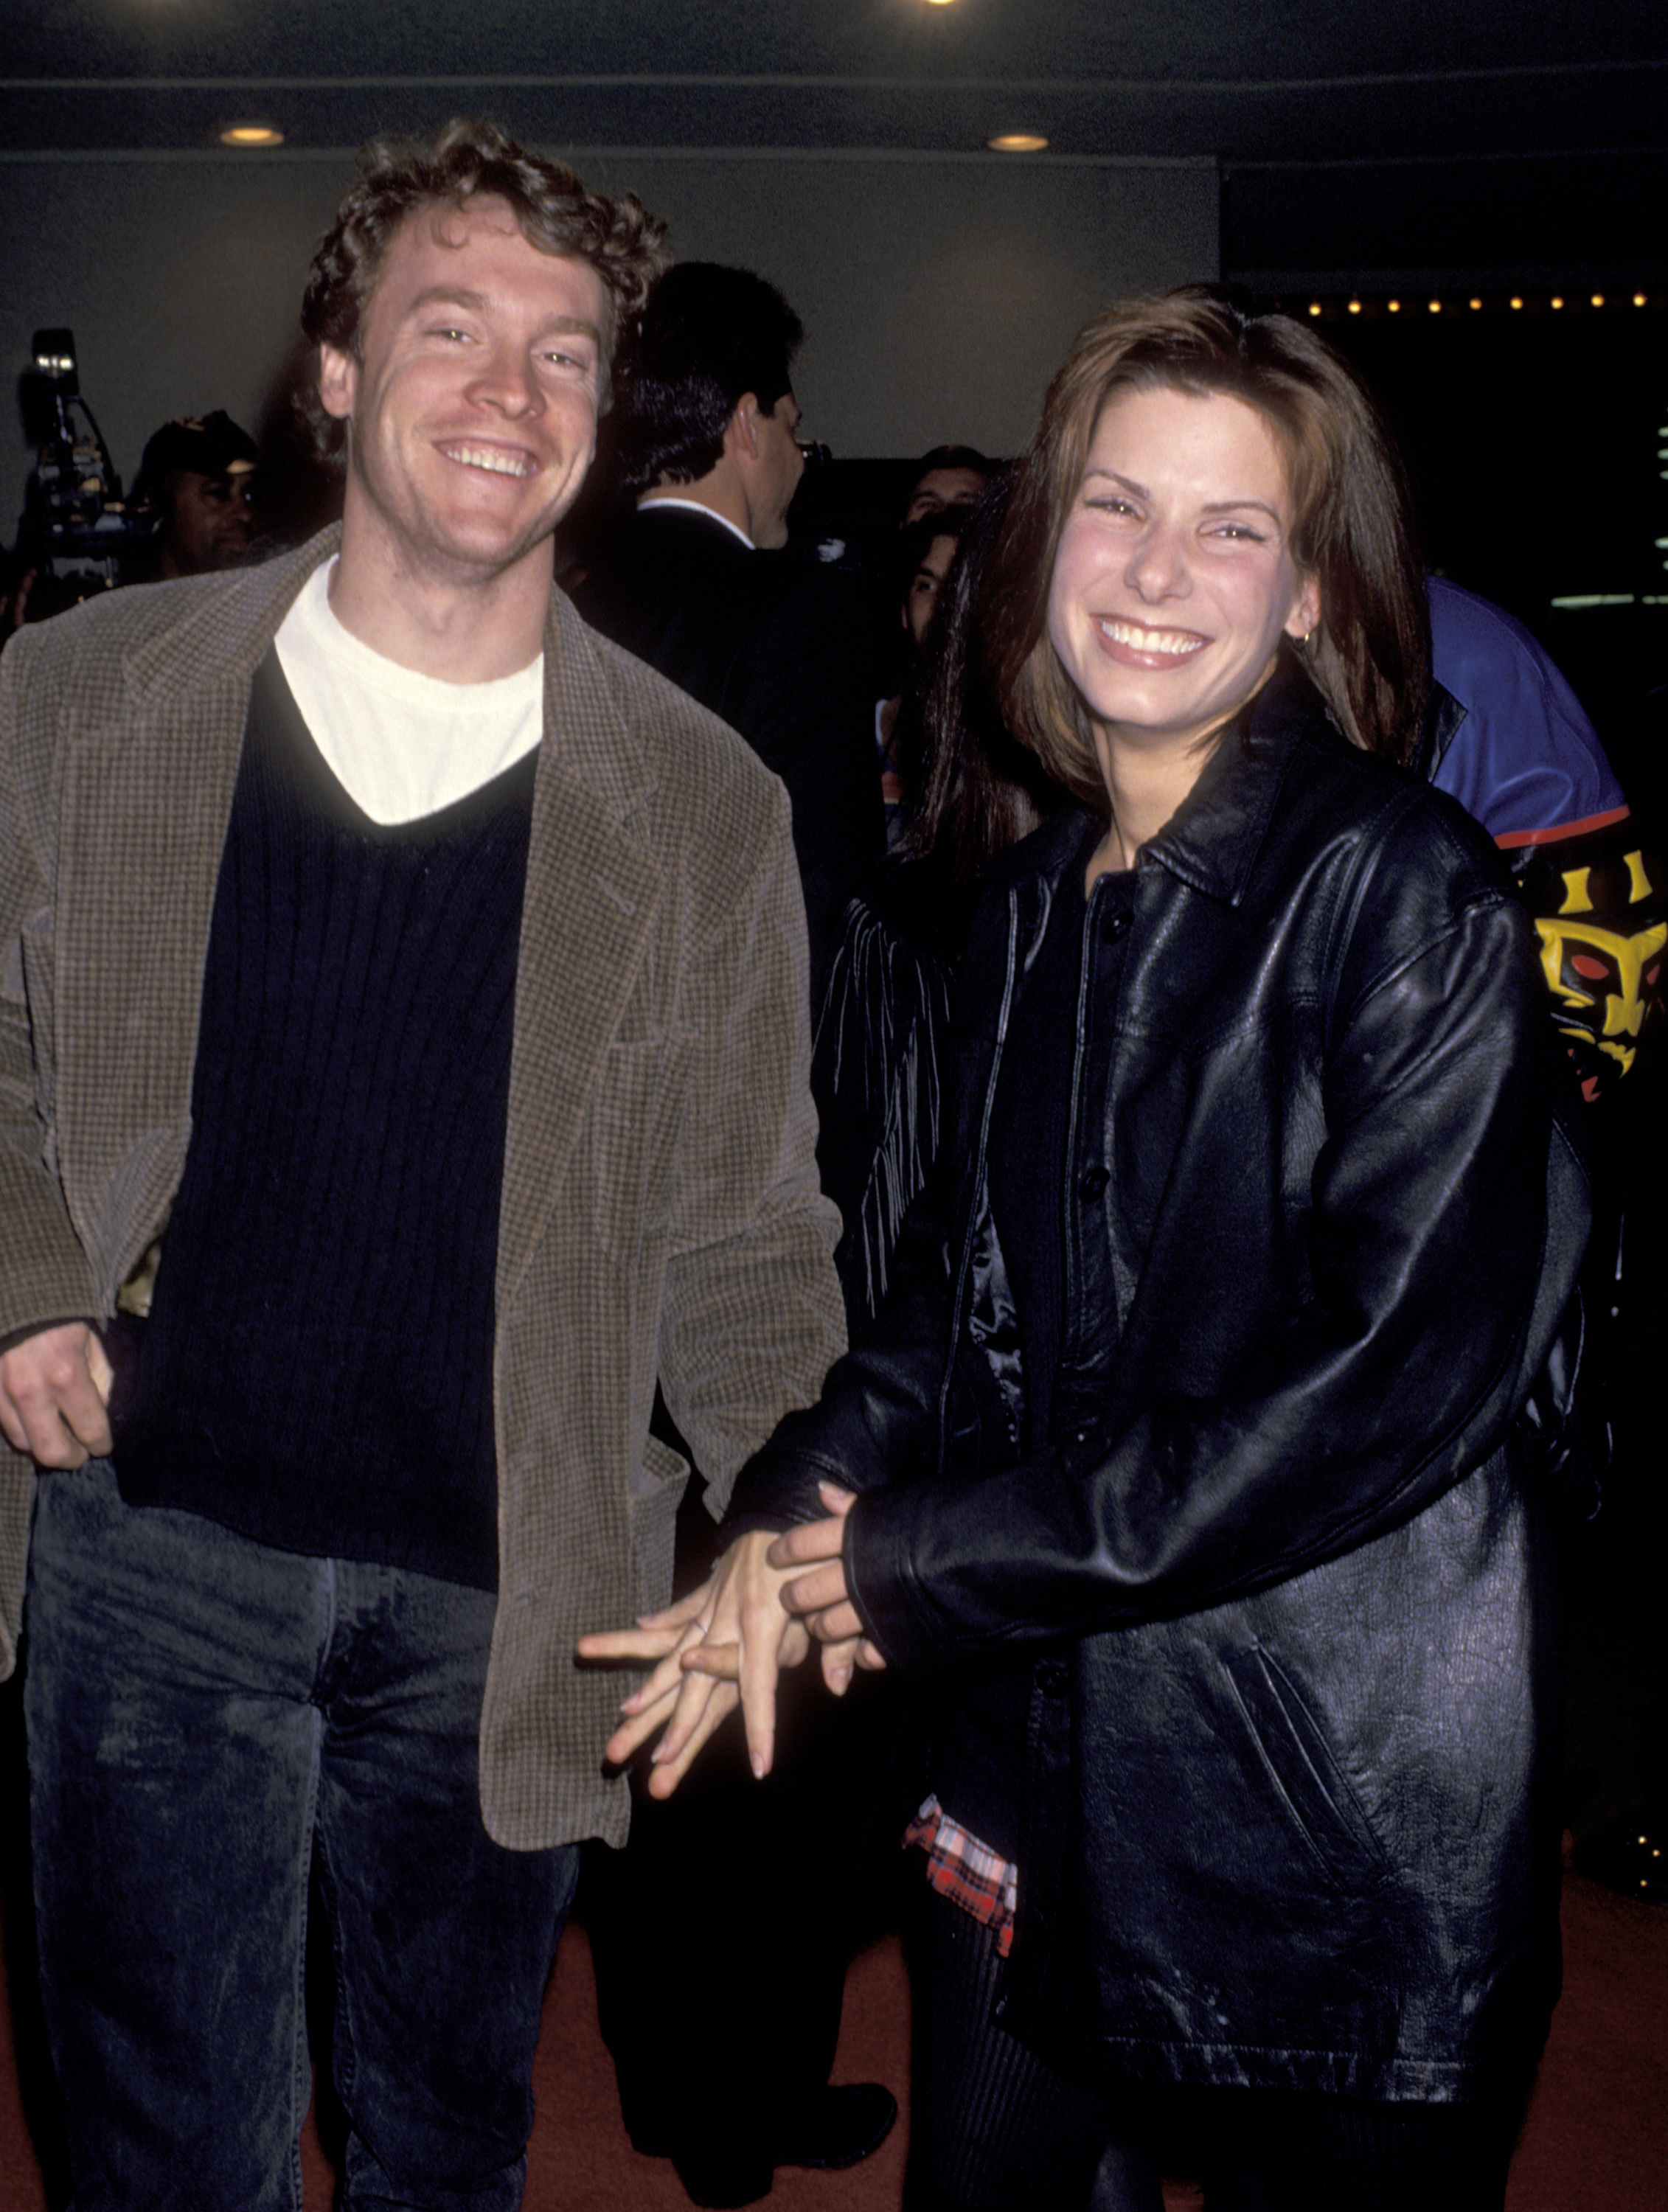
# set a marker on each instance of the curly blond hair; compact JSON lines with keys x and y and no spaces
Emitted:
{"x":471,"y":159}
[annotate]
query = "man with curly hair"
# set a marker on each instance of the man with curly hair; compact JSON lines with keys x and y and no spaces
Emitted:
{"x":454,"y":1090}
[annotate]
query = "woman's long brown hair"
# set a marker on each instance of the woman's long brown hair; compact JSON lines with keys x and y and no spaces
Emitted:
{"x":1352,"y":526}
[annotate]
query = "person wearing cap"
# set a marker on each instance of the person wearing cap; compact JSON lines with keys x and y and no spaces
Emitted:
{"x":199,"y":471}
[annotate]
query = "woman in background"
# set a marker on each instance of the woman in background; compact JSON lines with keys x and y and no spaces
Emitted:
{"x":967,"y":792}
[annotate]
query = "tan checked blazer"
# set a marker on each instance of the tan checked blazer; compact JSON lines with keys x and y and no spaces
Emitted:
{"x":660,"y":1212}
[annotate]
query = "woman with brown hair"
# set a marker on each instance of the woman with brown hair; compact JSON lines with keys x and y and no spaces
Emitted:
{"x":969,"y":791}
{"x":1188,"y":1453}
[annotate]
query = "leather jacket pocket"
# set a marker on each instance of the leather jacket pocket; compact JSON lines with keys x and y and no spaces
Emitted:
{"x":1304,"y":1770}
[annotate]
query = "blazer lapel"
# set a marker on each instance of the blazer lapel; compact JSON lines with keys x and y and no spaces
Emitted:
{"x":592,"y":891}
{"x":145,"y":808}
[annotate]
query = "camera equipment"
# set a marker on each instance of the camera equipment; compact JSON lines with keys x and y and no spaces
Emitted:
{"x":74,"y":525}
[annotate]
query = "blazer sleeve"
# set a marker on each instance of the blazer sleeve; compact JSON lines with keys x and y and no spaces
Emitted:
{"x":879,"y":1419}
{"x":44,"y":1272}
{"x":752,"y":1315}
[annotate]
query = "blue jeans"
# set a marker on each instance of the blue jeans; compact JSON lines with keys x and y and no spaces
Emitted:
{"x":203,"y":1712}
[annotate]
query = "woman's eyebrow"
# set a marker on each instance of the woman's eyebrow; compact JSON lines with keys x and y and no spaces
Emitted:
{"x":1112,"y":476}
{"x":1211,"y":505}
{"x":1227,"y":506}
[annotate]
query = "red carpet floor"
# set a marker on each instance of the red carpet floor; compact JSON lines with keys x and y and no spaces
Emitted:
{"x":1595,"y":2140}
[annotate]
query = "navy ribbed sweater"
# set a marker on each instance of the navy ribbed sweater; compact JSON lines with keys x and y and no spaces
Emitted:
{"x":316,"y":1371}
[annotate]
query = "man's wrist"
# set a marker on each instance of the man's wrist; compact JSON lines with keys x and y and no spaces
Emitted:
{"x":11,"y":1339}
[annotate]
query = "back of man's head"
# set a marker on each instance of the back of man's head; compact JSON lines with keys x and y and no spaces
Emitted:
{"x":707,"y":335}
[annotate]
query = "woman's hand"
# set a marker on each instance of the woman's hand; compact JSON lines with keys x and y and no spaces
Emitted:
{"x":821,"y":1598}
{"x":723,"y":1644}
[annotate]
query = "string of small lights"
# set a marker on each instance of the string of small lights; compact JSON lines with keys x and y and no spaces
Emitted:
{"x":1458,"y":306}
{"x":1326,"y":308}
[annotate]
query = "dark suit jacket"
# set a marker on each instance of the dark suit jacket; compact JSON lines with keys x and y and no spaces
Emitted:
{"x":780,"y":652}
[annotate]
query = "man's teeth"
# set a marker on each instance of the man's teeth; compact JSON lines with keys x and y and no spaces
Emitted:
{"x":489,"y":457}
{"x":1152,"y":641}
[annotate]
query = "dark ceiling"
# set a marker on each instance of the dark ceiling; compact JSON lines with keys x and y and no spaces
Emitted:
{"x":1489,"y":135}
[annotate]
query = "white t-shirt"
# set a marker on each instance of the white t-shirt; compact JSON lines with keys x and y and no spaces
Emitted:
{"x":402,"y":746}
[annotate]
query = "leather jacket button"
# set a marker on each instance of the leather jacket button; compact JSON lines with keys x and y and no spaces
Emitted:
{"x":1051,"y":1677}
{"x":1113,"y":924}
{"x":1091,"y":1183}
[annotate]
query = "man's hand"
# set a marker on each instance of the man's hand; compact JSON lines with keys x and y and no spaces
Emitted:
{"x":736,"y":1621}
{"x":822,"y":1597}
{"x":54,"y":1388}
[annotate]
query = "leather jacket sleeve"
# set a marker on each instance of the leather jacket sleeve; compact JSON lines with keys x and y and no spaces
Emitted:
{"x":1350,"y":1402}
{"x":880,"y":1418}
{"x":876,"y":1421}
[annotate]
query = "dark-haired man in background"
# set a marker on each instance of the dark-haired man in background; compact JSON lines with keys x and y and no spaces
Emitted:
{"x":461,"y":1056}
{"x":949,"y":476}
{"x":694,"y":582}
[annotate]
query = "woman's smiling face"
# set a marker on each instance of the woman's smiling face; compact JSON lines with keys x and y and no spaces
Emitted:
{"x":1174,"y":581}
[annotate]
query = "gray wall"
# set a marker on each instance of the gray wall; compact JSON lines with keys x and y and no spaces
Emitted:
{"x":938,"y":294}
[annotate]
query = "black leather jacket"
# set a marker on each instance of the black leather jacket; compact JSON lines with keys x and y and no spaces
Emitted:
{"x":1286,"y":1799}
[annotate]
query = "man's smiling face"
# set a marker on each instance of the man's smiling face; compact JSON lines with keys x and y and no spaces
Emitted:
{"x":472,"y":399}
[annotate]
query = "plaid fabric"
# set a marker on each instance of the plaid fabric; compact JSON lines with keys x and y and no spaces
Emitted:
{"x":966,"y":1871}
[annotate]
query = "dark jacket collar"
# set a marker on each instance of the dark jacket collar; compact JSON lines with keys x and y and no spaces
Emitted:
{"x":1212,"y":842}
{"x":692,"y":521}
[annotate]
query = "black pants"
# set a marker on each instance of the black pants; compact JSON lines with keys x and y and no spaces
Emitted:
{"x":739,"y":1896}
{"x":993,"y":2125}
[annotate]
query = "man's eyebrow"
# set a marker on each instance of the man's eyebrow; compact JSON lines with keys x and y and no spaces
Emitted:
{"x":457,"y":295}
{"x":447,"y":296}
{"x":574,"y":326}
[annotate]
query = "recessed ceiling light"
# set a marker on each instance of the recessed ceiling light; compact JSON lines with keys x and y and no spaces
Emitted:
{"x":251,"y":133}
{"x":1017,"y":142}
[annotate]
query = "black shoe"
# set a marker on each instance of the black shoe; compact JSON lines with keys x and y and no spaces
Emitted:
{"x":722,"y":2179}
{"x":839,"y":2127}
{"x":842,"y":2126}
